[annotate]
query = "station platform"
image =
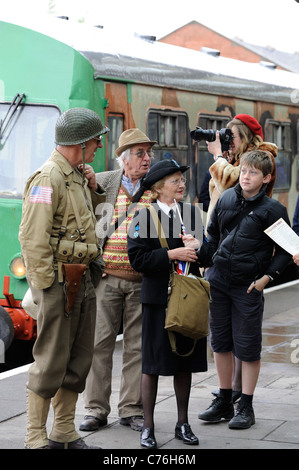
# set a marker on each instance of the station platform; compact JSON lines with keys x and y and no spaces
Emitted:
{"x":275,"y":401}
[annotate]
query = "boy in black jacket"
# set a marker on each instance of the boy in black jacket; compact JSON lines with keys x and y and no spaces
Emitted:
{"x":244,"y":260}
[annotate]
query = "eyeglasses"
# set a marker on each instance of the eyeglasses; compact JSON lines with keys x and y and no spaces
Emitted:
{"x":142,"y":153}
{"x":178,"y":181}
{"x":98,"y":139}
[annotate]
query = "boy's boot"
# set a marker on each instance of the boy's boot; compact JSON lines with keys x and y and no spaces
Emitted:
{"x":221,"y":408}
{"x":244,"y":417}
{"x":37,"y":414}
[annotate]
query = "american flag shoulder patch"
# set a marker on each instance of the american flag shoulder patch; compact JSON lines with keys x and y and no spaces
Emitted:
{"x":41,"y":194}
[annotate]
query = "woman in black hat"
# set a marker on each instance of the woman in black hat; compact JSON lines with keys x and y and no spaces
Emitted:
{"x":166,"y":181}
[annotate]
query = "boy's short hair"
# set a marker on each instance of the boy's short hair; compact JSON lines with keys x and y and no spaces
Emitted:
{"x":258,"y":159}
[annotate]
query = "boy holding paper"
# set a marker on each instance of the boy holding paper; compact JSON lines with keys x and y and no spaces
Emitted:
{"x":244,"y":260}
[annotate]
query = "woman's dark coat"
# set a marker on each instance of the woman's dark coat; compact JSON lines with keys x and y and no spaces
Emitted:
{"x":147,"y":256}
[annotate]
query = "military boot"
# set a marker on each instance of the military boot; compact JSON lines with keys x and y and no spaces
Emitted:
{"x":64,"y":434}
{"x":37,"y":414}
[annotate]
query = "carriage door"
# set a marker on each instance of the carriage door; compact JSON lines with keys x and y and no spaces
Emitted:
{"x":118,"y":117}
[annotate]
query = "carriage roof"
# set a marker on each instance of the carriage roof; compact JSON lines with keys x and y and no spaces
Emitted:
{"x":118,"y":55}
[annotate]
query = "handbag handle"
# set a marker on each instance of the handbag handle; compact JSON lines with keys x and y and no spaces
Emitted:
{"x":158,"y":227}
{"x":161,"y":234}
{"x":159,"y":230}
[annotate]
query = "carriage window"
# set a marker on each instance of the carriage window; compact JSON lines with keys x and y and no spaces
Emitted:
{"x":280,"y":134}
{"x":170,"y":130}
{"x":153,"y":126}
{"x":26,"y":143}
{"x":182,"y":130}
{"x":115,"y":123}
{"x":205,"y":160}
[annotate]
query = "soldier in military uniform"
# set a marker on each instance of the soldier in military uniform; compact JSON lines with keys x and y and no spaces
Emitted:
{"x":58,"y":240}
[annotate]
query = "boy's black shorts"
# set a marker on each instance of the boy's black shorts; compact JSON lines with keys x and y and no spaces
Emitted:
{"x":235,"y":318}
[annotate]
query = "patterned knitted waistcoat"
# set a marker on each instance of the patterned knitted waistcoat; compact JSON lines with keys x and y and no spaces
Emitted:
{"x":115,"y":252}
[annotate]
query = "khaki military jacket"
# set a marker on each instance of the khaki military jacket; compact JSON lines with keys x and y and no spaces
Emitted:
{"x":45,"y":203}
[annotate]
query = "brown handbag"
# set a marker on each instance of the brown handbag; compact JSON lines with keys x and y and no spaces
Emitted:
{"x":188,"y":306}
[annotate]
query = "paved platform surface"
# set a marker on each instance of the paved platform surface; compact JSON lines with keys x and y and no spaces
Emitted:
{"x":276,"y":400}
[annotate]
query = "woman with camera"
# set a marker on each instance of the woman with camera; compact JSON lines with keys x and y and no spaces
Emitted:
{"x":247,"y":135}
{"x":166,"y":181}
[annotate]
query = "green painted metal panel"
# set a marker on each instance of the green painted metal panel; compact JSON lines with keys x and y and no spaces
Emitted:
{"x":50,"y":73}
{"x":10,"y":216}
{"x":46,"y":70}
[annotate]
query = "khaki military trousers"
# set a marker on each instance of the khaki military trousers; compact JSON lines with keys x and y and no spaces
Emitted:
{"x":62,"y":358}
{"x":64,"y":346}
{"x":117,"y":299}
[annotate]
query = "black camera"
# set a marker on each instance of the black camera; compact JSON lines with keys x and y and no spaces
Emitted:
{"x":210,"y":135}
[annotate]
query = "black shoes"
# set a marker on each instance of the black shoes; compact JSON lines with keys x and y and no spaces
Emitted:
{"x":91,"y":423}
{"x":147,"y":439}
{"x":77,"y":444}
{"x":219,"y":409}
{"x":243,"y":419}
{"x":135,"y":422}
{"x":236,"y":394}
{"x":185,"y":433}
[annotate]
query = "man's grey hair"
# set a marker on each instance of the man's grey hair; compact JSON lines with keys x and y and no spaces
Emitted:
{"x":125,"y":155}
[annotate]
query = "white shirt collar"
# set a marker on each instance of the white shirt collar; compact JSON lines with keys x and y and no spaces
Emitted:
{"x":165,"y":208}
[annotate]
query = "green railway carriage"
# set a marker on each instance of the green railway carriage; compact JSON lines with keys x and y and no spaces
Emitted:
{"x":49,"y":66}
{"x":40,"y":78}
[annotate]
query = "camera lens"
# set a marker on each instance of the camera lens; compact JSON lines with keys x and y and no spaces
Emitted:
{"x":209,"y":135}
{"x":200,"y":134}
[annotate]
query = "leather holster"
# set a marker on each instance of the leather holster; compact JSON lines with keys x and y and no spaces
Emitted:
{"x":73,"y":274}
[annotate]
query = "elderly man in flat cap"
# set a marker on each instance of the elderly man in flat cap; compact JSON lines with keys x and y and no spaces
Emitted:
{"x":118,"y":292}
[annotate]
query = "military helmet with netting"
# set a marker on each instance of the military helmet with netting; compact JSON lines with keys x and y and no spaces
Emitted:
{"x":78,"y":125}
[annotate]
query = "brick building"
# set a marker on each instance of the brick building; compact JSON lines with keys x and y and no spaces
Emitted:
{"x":196,"y":36}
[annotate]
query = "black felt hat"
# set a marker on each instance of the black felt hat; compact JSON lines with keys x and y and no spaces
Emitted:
{"x":161,"y":169}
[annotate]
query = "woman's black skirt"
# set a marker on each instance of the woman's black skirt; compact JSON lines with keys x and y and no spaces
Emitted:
{"x":157,"y":356}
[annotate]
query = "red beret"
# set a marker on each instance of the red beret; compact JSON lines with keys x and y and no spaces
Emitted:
{"x":252,"y":123}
